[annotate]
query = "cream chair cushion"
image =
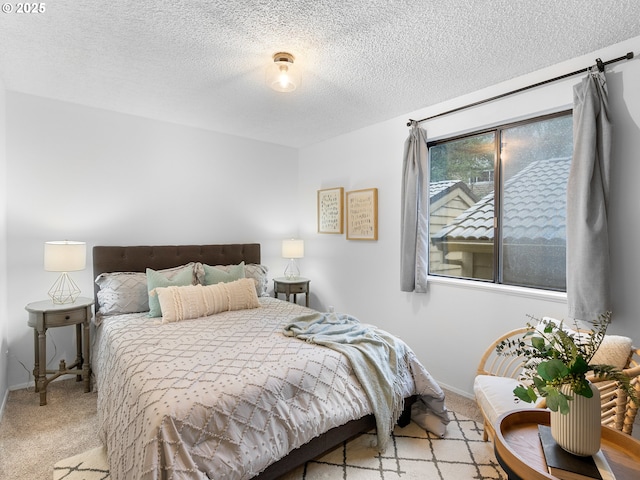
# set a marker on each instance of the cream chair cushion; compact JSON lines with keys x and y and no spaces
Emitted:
{"x":495,"y":396}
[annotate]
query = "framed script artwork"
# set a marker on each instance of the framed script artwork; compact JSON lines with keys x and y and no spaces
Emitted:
{"x":362,"y":214}
{"x":330,"y":203}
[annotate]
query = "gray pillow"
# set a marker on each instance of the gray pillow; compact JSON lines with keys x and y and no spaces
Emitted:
{"x":122,"y":292}
{"x":127,"y":292}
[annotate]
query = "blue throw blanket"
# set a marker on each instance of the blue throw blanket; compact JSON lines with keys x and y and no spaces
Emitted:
{"x":378,"y":360}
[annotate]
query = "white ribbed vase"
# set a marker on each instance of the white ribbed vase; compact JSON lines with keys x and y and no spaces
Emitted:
{"x":578,"y":431}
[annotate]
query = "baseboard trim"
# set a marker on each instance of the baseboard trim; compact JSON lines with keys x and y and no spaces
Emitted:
{"x":22,"y":385}
{"x":4,"y":403}
{"x":462,"y":393}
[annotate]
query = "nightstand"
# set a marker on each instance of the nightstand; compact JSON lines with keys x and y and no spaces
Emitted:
{"x":46,"y":314}
{"x":291,"y":286}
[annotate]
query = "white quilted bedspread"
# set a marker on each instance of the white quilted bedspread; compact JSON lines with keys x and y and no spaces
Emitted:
{"x":222,"y":396}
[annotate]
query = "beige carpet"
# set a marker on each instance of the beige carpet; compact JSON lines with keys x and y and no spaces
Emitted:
{"x":34,"y":438}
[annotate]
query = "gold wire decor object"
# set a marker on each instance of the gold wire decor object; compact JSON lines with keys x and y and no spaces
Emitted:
{"x":64,"y":290}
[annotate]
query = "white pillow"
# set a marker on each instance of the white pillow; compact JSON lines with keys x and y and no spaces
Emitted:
{"x":614,"y":350}
{"x":195,"y":301}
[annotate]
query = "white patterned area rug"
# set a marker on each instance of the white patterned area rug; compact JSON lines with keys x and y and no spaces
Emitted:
{"x":413,"y":454}
{"x":90,"y":465}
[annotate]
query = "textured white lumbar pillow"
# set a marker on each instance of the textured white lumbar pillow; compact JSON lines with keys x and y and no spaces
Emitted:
{"x":195,"y":301}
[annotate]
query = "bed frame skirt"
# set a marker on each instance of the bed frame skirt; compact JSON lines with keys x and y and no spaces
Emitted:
{"x":328,"y":441}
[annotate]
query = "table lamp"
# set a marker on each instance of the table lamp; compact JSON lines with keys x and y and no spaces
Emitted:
{"x":292,"y":249}
{"x":64,"y":256}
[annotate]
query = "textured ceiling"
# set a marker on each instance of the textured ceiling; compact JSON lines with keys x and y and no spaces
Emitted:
{"x":202,"y":63}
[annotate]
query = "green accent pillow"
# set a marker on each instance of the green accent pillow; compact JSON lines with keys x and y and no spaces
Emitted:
{"x":157,"y":279}
{"x":231,"y":273}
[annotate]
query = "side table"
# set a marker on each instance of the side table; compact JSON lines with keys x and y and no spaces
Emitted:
{"x":292,"y":286}
{"x":519,"y":451}
{"x":45,"y":314}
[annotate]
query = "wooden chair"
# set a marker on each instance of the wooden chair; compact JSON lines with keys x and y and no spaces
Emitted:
{"x":618,"y":411}
{"x":497,"y":376}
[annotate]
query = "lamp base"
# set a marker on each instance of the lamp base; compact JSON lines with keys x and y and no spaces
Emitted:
{"x":64,"y":290}
{"x":292,"y":271}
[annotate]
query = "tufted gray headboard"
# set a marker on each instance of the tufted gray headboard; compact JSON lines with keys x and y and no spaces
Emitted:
{"x":139,"y":258}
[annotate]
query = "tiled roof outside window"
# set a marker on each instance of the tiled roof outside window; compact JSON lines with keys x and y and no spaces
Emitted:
{"x":534,"y":210}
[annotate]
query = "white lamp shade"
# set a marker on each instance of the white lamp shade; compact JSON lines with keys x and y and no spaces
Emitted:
{"x":65,"y":256}
{"x":293,"y":248}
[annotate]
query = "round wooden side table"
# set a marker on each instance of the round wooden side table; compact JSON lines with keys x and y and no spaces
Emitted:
{"x":44,"y":315}
{"x":519,"y":451}
{"x":292,"y":286}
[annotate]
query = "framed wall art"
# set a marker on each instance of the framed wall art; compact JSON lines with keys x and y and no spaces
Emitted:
{"x":362,"y":214}
{"x":330,"y":218}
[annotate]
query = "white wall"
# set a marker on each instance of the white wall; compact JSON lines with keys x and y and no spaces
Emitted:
{"x":451,"y":325}
{"x":4,"y":317}
{"x":80,"y":173}
{"x":85,"y":174}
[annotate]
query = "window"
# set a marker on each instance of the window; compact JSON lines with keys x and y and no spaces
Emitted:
{"x":497,"y":205}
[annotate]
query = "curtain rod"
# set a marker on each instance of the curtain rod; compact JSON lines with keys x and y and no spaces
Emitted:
{"x":599,"y":63}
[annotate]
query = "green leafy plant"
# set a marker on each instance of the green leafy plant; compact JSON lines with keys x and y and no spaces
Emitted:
{"x":555,"y":356}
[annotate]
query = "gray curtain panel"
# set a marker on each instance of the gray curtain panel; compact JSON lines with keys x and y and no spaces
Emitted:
{"x":588,"y":294}
{"x":414,"y":247}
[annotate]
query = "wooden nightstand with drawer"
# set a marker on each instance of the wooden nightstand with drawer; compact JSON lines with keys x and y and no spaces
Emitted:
{"x":46,"y":314}
{"x":292,"y":286}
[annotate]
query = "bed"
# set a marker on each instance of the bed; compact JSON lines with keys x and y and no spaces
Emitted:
{"x":224,"y":395}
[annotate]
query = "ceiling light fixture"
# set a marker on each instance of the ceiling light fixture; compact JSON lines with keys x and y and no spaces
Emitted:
{"x":282,"y":75}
